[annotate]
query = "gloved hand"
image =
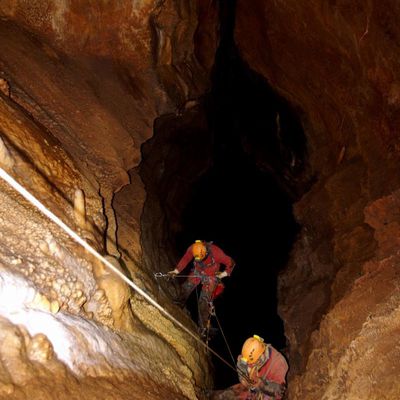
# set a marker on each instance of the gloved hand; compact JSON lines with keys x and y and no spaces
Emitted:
{"x":221,"y":275}
{"x":173,"y":272}
{"x":241,"y":367}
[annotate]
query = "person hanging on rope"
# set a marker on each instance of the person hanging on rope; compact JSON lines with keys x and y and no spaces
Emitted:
{"x":262,"y":373}
{"x":207,"y":259}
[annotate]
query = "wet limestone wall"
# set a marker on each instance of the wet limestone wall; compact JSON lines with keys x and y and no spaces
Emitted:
{"x":337,"y":63}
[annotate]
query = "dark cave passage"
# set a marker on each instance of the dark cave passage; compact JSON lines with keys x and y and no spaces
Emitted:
{"x":228,"y":170}
{"x":242,"y":211}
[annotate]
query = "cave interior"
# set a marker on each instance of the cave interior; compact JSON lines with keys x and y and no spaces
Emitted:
{"x":238,"y":162}
{"x":267,"y":127}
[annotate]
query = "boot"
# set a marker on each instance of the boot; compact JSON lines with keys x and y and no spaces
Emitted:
{"x":204,"y":311}
{"x":208,"y":331}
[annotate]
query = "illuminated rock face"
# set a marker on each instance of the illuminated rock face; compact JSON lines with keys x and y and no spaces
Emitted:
{"x":67,"y":318}
{"x":80,"y":87}
{"x":337,"y":62}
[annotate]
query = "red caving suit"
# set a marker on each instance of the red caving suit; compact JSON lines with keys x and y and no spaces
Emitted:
{"x":273,"y":369}
{"x":204,"y":272}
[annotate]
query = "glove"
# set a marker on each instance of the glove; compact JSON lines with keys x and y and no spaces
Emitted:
{"x":241,"y":366}
{"x":221,"y":275}
{"x":173,"y":272}
{"x":243,"y":374}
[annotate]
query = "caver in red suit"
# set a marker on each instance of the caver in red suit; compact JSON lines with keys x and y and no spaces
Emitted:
{"x":262,"y":374}
{"x":207,"y":260}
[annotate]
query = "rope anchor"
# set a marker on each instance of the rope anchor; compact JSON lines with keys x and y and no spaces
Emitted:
{"x":161,"y":275}
{"x":168,"y":276}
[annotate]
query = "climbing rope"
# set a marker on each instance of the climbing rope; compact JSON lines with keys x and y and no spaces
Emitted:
{"x":28,"y":196}
{"x":223,"y":335}
{"x":211,"y":313}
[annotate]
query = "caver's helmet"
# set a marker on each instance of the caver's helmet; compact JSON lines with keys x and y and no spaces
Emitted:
{"x":253,"y":348}
{"x":199,"y":250}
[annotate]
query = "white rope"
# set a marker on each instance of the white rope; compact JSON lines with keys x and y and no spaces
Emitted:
{"x":20,"y":189}
{"x":223,"y":335}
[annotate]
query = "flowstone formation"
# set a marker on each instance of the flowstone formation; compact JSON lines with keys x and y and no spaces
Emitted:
{"x":80,"y":86}
{"x":339,"y":297}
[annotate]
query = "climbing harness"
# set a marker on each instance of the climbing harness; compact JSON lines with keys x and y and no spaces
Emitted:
{"x":40,"y":206}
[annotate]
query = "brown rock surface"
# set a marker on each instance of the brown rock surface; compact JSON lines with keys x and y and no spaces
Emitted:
{"x":89,"y":71}
{"x":26,"y":374}
{"x":337,"y":62}
{"x":54,"y":289}
{"x":80,"y":86}
{"x":97,"y":75}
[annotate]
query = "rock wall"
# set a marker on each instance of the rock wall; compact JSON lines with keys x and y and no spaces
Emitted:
{"x":67,"y":319}
{"x":81,"y":84}
{"x":337,"y":62}
{"x":169,"y":176}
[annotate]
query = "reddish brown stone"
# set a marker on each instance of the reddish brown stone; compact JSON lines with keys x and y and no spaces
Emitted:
{"x":86,"y":80}
{"x":337,"y":62}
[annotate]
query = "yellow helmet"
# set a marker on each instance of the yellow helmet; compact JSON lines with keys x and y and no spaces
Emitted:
{"x":253,"y":348}
{"x":199,"y":250}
